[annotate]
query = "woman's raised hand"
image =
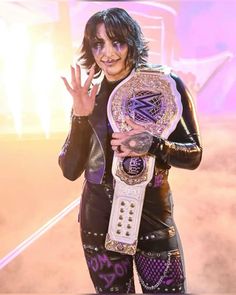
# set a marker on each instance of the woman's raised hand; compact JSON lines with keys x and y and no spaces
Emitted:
{"x":83,"y":101}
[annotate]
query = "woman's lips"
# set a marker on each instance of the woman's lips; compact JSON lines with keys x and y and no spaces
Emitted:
{"x":111,"y":62}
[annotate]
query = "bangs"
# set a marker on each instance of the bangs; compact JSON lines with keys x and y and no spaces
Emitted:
{"x":116,"y":30}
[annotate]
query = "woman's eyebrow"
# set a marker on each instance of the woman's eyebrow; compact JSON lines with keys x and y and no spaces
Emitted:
{"x":96,"y":38}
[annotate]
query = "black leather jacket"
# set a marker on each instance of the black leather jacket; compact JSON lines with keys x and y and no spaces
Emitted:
{"x":85,"y":148}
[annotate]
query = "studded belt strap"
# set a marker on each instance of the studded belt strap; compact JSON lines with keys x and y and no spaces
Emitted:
{"x":150,"y":98}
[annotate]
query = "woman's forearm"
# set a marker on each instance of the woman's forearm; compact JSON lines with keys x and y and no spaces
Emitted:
{"x":74,"y":153}
{"x":182,"y":155}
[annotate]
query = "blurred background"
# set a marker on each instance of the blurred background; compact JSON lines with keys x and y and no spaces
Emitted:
{"x":40,"y":248}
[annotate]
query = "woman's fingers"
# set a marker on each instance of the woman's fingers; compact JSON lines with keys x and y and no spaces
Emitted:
{"x":73,"y":79}
{"x":135,"y":130}
{"x":123,"y":152}
{"x":119,"y":135}
{"x":67,"y":85}
{"x":78,"y":76}
{"x":90,"y":78}
{"x":114,"y":148}
{"x":76,"y":80}
{"x":117,"y":146}
{"x":94,"y":91}
{"x":116,"y":141}
{"x":133,"y":125}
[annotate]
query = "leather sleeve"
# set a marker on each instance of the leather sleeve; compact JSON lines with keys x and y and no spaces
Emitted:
{"x":74,"y":154}
{"x":183,"y":148}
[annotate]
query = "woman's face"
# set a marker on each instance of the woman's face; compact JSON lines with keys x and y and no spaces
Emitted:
{"x":110,"y":55}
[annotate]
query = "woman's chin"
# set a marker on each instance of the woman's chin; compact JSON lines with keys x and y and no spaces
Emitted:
{"x":115,"y":74}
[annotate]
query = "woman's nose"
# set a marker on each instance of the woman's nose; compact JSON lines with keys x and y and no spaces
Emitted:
{"x":108,"y":50}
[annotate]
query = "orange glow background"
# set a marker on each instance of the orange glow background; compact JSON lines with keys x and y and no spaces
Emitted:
{"x":38,"y":42}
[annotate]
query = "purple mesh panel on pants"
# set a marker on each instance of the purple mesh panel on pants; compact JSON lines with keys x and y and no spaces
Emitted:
{"x":160,"y":275}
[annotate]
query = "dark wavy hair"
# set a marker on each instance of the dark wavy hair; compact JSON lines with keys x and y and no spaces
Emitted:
{"x":121,"y":26}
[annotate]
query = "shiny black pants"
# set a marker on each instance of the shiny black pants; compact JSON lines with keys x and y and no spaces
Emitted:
{"x":158,"y":260}
{"x":112,"y":272}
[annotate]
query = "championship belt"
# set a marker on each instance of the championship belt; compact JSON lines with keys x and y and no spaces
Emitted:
{"x":150,"y":98}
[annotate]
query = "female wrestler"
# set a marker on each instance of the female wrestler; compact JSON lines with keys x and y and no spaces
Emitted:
{"x":113,"y":45}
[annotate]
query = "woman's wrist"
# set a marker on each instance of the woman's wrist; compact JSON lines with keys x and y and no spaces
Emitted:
{"x":79,"y":119}
{"x":157,"y":145}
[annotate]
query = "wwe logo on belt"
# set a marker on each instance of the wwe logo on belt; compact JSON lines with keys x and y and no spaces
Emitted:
{"x":146,"y":106}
